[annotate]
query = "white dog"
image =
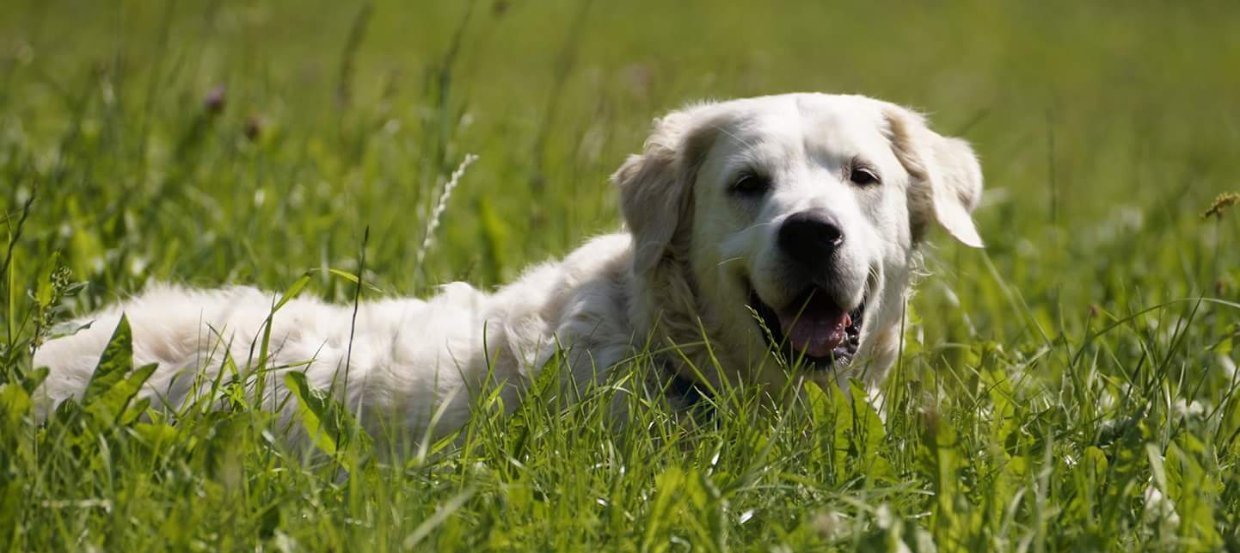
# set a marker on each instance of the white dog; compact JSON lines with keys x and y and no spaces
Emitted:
{"x":770,"y":239}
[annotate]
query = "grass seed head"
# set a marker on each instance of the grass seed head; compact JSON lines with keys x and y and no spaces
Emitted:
{"x":1221,"y":204}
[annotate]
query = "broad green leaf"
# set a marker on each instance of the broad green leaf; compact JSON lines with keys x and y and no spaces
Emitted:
{"x":114,"y":364}
{"x":115,"y":382}
{"x":868,"y":434}
{"x":34,"y":378}
{"x":15,"y":404}
{"x":842,"y":445}
{"x":329,"y":426}
{"x":113,"y":405}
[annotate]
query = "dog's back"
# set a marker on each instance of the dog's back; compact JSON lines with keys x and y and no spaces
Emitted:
{"x":199,"y":336}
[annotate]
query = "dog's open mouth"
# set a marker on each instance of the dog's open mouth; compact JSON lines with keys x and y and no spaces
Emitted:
{"x":812,"y":330}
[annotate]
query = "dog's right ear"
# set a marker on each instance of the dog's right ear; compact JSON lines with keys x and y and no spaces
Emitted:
{"x":656,"y":185}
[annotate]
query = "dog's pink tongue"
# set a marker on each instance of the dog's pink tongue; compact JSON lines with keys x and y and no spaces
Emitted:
{"x":816,"y":334}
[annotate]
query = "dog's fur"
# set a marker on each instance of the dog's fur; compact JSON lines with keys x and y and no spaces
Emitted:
{"x":703,"y":251}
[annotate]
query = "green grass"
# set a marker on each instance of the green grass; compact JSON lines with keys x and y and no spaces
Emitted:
{"x":1048,"y":383}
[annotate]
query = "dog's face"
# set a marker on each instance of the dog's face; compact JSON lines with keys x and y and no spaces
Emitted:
{"x":797,"y":218}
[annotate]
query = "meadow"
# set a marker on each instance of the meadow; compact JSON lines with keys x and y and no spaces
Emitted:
{"x":1071,"y":387}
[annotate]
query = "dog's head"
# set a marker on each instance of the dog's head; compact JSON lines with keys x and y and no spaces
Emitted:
{"x":792,"y":223}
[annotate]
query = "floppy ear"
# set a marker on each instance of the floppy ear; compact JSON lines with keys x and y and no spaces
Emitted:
{"x":656,"y":185}
{"x":947,"y":176}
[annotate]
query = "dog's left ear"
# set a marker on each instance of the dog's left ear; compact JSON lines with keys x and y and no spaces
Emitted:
{"x":656,"y":185}
{"x":947,"y":177}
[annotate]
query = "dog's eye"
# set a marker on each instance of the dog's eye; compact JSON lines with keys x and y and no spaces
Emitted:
{"x":863,"y":176}
{"x":750,"y":184}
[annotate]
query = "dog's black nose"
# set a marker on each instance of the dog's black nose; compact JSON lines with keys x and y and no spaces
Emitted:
{"x":810,"y":237}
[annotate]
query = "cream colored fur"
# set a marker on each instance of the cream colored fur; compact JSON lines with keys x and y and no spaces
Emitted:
{"x":672,"y":281}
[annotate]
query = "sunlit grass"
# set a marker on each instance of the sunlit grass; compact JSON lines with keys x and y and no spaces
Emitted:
{"x":1072,"y":387}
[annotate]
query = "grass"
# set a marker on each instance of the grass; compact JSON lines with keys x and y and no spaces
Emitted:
{"x":1071,"y":387}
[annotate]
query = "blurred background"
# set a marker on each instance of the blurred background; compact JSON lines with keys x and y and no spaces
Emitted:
{"x":238,"y":141}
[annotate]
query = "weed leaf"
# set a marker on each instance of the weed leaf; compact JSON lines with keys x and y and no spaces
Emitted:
{"x":115,"y":383}
{"x":330,"y":427}
{"x":116,"y":361}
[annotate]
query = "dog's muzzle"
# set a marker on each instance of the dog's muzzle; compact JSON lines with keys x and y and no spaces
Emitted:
{"x":813,"y":329}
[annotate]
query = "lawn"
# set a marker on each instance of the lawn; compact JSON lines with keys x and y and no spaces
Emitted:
{"x":1071,"y":387}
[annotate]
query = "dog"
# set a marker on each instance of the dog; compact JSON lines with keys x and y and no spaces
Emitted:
{"x":770,"y":240}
